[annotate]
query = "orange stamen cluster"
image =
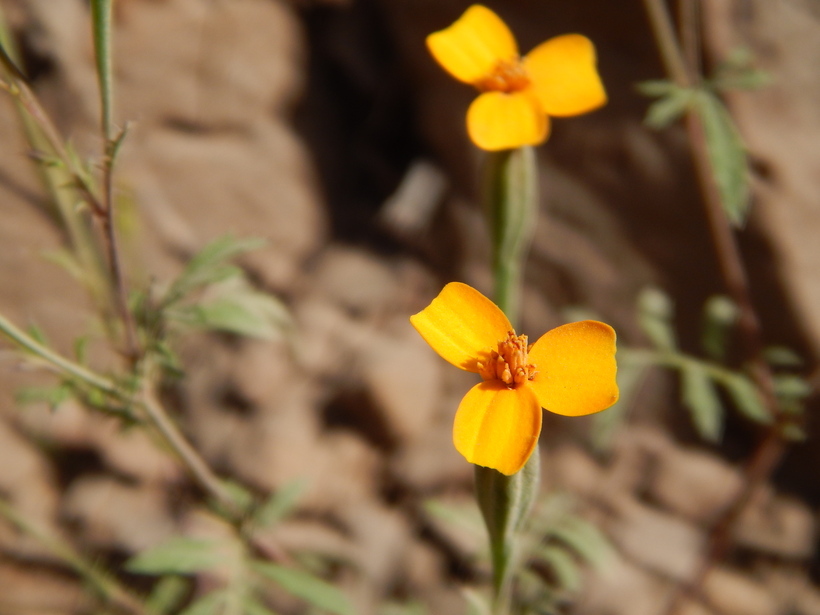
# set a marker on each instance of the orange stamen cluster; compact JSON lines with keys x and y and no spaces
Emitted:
{"x":509,"y":363}
{"x":507,"y":76}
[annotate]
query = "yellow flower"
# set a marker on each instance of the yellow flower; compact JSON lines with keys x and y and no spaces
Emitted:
{"x":556,"y":78}
{"x":569,"y":370}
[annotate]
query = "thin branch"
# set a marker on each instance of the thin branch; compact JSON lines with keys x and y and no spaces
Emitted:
{"x":770,"y":449}
{"x":104,"y":584}
{"x":197,"y":466}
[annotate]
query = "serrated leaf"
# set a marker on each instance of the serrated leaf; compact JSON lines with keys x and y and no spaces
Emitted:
{"x":727,"y":156}
{"x":746,"y":398}
{"x":279,"y":504}
{"x":564,"y":567}
{"x":655,"y":316}
{"x":309,"y":588}
{"x":208,"y":604}
{"x":669,"y":108}
{"x":167,"y":595}
{"x":699,"y":394}
{"x":180,"y":555}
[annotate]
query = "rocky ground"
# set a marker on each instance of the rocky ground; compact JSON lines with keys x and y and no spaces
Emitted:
{"x":324,"y":128}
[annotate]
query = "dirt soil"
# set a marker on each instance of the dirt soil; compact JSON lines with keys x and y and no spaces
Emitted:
{"x":324,"y":127}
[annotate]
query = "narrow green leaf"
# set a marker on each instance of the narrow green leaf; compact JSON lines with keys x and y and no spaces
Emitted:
{"x":746,"y":398}
{"x":101,"y":24}
{"x":280,"y":504}
{"x":727,"y":156}
{"x":782,"y":356}
{"x":167,"y":595}
{"x":309,"y":588}
{"x":584,"y":538}
{"x":700,"y":396}
{"x":657,"y":87}
{"x":720,"y":314}
{"x":179,"y":555}
{"x":564,"y":567}
{"x":477,"y":604}
{"x":655,"y":316}
{"x":669,"y":108}
{"x":790,"y":386}
{"x":210,"y":266}
{"x":54,"y":397}
{"x":210,"y":604}
{"x":252,"y":606}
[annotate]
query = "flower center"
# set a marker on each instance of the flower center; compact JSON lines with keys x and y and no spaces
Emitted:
{"x":507,"y":76}
{"x":509,"y":363}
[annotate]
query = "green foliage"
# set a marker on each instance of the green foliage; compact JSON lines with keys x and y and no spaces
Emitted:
{"x":720,"y":315}
{"x":558,"y":545}
{"x":737,"y":72}
{"x":279,"y":505}
{"x":655,"y":313}
{"x":180,"y":555}
{"x":167,"y":595}
{"x":705,"y":383}
{"x":673,"y":102}
{"x":235,"y":307}
{"x":209,"y":266}
{"x":727,"y":156}
{"x":307,"y":587}
{"x":724,"y":146}
{"x":701,"y":397}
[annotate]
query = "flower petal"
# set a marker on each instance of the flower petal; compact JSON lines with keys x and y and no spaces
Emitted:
{"x":462,"y":325}
{"x":497,"y":427}
{"x":496,"y":121}
{"x":564,"y":77}
{"x":471,"y":48}
{"x":576,"y":368}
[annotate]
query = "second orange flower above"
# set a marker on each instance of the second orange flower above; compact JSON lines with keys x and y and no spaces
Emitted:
{"x":557,"y":78}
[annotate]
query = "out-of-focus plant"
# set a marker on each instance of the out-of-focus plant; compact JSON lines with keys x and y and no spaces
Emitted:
{"x":764,"y":390}
{"x":211,"y":294}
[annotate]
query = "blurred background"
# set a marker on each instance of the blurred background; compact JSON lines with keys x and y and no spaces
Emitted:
{"x":326,"y":128}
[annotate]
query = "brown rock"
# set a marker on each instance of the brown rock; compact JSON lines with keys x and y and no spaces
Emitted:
{"x":119,"y":516}
{"x":622,"y":588}
{"x":733,"y":594}
{"x":695,"y":484}
{"x":26,"y":591}
{"x":777,"y":525}
{"x":404,"y":377}
{"x":655,"y":540}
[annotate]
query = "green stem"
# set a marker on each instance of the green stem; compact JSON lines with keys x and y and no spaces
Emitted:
{"x":102,"y":583}
{"x":148,"y":402}
{"x":511,"y":207}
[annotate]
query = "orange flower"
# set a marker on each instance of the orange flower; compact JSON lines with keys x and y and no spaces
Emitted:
{"x":556,"y":78}
{"x":569,"y":370}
